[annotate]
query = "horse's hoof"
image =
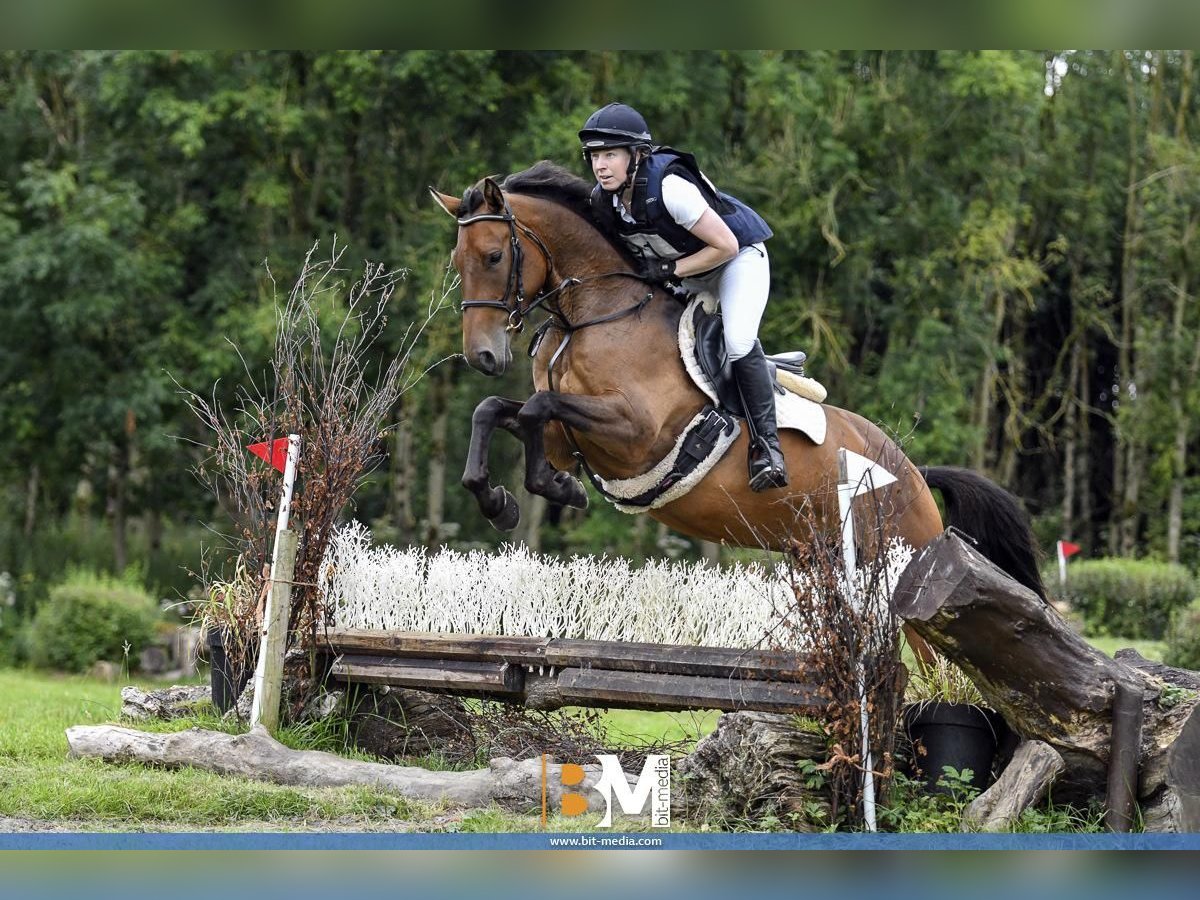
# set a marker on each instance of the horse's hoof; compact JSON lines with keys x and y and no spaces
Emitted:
{"x":571,"y":491}
{"x":509,"y":517}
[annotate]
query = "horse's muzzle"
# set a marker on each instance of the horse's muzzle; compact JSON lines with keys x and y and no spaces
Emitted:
{"x":489,"y":362}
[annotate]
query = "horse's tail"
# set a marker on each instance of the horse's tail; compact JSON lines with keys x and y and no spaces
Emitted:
{"x":993,"y":518}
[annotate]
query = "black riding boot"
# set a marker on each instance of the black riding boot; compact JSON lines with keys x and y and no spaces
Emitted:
{"x":767,"y":468}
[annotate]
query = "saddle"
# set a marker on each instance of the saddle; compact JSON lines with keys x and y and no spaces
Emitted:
{"x":710,"y":354}
{"x":712,"y":432}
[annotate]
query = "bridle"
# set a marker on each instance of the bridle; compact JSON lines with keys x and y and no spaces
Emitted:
{"x":513,"y":302}
{"x":515,"y":288}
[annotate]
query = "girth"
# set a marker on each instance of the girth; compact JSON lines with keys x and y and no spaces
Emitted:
{"x":698,"y":444}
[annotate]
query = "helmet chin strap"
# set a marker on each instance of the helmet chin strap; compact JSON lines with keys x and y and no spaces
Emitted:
{"x":638,"y":156}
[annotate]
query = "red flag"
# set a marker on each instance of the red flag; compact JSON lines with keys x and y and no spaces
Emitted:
{"x":1068,"y":549}
{"x":274,"y":452}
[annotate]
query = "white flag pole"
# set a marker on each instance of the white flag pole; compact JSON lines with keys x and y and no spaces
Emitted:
{"x":289,"y":481}
{"x":859,"y":475}
{"x":1062,"y":566}
{"x":846,"y":492}
{"x":271,"y":615}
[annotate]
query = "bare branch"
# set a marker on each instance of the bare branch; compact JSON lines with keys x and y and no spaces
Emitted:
{"x":330,"y":382}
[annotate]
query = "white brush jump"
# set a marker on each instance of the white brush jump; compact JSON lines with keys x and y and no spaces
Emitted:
{"x":548,"y":633}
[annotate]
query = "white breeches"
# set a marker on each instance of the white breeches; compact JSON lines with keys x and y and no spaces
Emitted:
{"x":742,"y":286}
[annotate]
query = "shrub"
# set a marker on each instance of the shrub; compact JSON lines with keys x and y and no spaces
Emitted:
{"x":1128,"y":598}
{"x":89,"y":617}
{"x":1183,"y":638}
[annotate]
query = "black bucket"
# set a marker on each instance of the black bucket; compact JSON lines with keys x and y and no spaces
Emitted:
{"x":226,"y":677}
{"x":960,"y":735}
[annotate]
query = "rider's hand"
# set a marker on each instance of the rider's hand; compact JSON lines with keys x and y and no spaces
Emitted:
{"x":655,"y":270}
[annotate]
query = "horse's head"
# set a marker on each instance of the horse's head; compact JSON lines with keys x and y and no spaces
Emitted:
{"x":496,"y":271}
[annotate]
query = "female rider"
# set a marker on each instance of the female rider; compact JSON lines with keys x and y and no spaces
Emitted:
{"x":679,"y":227}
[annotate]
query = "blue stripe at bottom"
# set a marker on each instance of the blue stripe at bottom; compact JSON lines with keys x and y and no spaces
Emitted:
{"x":591,"y":841}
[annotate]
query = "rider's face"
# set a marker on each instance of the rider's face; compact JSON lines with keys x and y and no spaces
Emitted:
{"x":610,"y":165}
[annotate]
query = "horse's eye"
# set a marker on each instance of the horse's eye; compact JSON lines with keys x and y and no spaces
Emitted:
{"x":493,"y":258}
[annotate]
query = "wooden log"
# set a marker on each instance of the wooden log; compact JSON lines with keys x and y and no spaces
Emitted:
{"x":1048,"y":682}
{"x":716,"y":662}
{"x":1024,"y":782}
{"x":256,"y":755}
{"x":637,"y":690}
{"x":462,"y":674}
{"x":175,"y":702}
{"x":748,"y":769}
{"x":1169,"y":787}
{"x":436,"y":645}
{"x":1124,"y":752}
{"x":598,"y":688}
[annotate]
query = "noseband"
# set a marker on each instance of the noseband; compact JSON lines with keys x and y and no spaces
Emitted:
{"x":517,"y":309}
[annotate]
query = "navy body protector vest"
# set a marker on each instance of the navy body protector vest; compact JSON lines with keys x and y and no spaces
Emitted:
{"x":652,"y":217}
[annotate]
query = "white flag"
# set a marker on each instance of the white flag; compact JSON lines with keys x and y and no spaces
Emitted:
{"x":864,"y":475}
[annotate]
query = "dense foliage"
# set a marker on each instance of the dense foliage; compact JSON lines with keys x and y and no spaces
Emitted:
{"x":988,"y":252}
{"x":1129,"y":598}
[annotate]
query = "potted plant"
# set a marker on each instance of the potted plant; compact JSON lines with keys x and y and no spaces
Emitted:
{"x":228,"y":618}
{"x":949,"y":724}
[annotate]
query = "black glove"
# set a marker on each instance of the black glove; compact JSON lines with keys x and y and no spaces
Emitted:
{"x":655,"y":270}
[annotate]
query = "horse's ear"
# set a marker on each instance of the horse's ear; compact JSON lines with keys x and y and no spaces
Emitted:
{"x":446,"y":202}
{"x":492,"y":195}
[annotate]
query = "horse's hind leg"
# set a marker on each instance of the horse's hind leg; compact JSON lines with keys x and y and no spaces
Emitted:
{"x":926,"y":655}
{"x":496,"y":503}
{"x":541,"y":477}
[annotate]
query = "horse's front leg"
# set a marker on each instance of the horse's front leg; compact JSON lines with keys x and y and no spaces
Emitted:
{"x":542,"y":478}
{"x":496,"y":503}
{"x":609,"y":414}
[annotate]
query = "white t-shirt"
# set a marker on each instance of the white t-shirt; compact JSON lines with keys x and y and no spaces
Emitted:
{"x":685,"y":204}
{"x":683,"y":200}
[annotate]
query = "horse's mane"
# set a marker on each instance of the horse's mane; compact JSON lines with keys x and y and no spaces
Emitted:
{"x":549,"y":181}
{"x":553,"y":182}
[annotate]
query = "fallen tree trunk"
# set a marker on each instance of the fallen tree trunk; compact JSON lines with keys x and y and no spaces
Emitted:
{"x":749,"y":769}
{"x":508,"y":783}
{"x":1051,"y":685}
{"x":745,"y":772}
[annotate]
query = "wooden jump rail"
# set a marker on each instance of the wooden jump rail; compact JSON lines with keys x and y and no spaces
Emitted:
{"x":546,"y":673}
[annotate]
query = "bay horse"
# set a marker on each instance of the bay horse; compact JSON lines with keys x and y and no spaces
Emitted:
{"x":612,"y":391}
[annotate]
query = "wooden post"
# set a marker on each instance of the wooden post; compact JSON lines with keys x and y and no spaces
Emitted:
{"x":1120,"y":801}
{"x":268,"y":676}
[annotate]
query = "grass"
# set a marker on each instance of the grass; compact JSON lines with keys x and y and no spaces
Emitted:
{"x":38,"y":781}
{"x":911,"y":809}
{"x":634,"y":725}
{"x":1150,"y":649}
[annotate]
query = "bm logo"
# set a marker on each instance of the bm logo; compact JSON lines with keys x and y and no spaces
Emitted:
{"x":653,"y":786}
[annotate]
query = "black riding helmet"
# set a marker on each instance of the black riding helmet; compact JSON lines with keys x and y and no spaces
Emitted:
{"x":615,"y":125}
